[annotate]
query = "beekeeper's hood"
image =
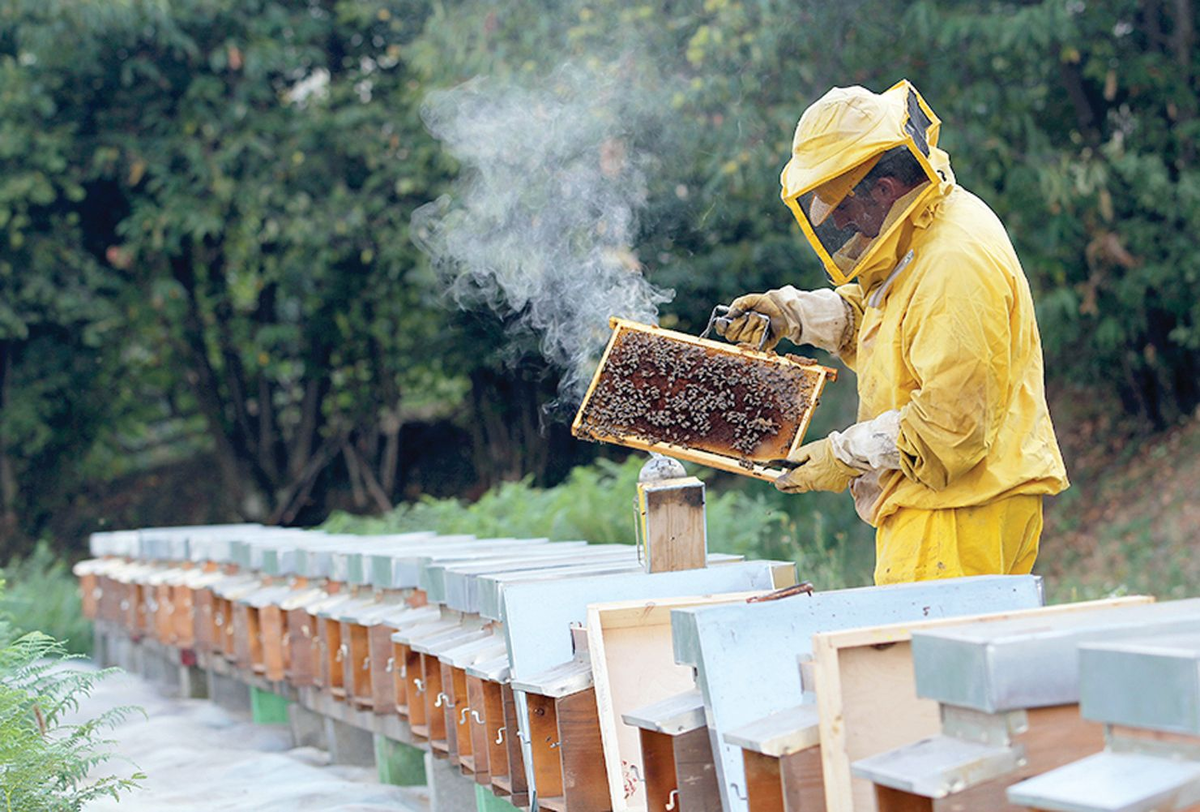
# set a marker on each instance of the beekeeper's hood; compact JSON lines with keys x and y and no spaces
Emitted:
{"x":845,"y":144}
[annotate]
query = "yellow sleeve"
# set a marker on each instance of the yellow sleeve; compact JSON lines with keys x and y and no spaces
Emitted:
{"x":956,"y":341}
{"x":852,"y":294}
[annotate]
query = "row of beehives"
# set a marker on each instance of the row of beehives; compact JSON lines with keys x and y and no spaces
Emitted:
{"x":673,"y":690}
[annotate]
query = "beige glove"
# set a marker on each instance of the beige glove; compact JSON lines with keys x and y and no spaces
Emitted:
{"x":817,"y":469}
{"x":744,"y":328}
{"x":821,"y":318}
{"x":841,"y":459}
{"x":870,"y":445}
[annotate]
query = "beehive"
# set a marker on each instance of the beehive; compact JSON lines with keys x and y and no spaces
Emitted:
{"x":697,"y":400}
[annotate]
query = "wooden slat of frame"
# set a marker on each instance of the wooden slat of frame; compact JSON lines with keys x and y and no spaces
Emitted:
{"x":821,"y":376}
{"x":863,"y":675}
{"x":633,"y":665}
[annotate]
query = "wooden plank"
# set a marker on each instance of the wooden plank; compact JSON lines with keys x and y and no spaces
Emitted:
{"x":89,"y":591}
{"x":893,"y":800}
{"x":383,"y":664}
{"x":462,"y":713}
{"x":254,"y":640}
{"x":415,"y":690}
{"x":358,"y":667}
{"x":819,"y":376}
{"x":229,"y":632}
{"x":695,"y":772}
{"x":514,"y":782}
{"x":329,"y":642}
{"x":271,"y":623}
{"x":202,"y":619}
{"x":544,"y":745}
{"x":633,"y":665}
{"x":414,"y":683}
{"x":476,"y":717}
{"x":241,"y":635}
{"x":674,"y":520}
{"x":449,"y":710}
{"x":764,"y":785}
{"x":181,"y":616}
{"x":772,"y":636}
{"x":494,"y":731}
{"x":865,"y":674}
{"x":1056,"y":736}
{"x":162,"y":615}
{"x":435,"y":719}
{"x":803,"y":787}
{"x":301,"y":654}
{"x":585,"y":786}
{"x":658,"y":770}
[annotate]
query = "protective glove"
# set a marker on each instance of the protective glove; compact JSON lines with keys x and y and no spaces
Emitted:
{"x":744,"y":328}
{"x":821,"y":318}
{"x":817,"y":469}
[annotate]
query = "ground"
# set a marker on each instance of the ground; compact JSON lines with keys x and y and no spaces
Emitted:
{"x":1128,"y":523}
{"x":201,"y":757}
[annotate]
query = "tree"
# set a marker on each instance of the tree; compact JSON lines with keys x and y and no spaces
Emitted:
{"x":54,"y":295}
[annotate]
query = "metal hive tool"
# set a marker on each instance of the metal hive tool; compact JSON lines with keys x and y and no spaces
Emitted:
{"x":720,"y":405}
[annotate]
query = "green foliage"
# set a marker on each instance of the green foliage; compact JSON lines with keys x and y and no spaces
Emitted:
{"x":205,"y":211}
{"x":1087,"y":149}
{"x":45,"y":761}
{"x":596,"y":503}
{"x":41,"y":593}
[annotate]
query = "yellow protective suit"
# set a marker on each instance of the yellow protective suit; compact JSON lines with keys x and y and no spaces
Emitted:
{"x":945,"y":334}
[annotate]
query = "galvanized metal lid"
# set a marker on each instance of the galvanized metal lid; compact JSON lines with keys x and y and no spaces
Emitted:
{"x":1031,"y":661}
{"x":1149,"y":683}
{"x":1113,"y":782}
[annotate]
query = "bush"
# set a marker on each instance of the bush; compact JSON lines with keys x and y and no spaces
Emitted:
{"x":820,"y":532}
{"x":44,"y":762}
{"x":42,"y":594}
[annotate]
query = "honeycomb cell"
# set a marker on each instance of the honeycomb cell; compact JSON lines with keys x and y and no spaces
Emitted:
{"x":716,"y":399}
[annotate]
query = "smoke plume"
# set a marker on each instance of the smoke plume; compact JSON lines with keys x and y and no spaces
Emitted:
{"x":541,"y":222}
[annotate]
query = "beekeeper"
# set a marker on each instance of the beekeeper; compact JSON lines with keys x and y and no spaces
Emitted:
{"x":953,"y":449}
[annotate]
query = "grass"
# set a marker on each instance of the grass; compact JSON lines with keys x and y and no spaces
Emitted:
{"x":1127,"y":525}
{"x":819,"y":532}
{"x":41,"y":593}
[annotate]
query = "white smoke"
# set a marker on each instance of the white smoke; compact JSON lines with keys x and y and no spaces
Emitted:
{"x":543,"y":216}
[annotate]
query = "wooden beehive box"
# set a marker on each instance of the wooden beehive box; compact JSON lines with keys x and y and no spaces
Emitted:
{"x":702,"y":401}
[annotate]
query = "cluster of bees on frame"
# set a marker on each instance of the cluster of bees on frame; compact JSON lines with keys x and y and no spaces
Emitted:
{"x":677,"y":392}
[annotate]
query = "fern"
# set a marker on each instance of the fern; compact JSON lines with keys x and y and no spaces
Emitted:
{"x":45,"y":761}
{"x":42,"y":594}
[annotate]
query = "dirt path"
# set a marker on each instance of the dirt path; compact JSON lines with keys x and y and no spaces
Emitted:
{"x":198,"y":756}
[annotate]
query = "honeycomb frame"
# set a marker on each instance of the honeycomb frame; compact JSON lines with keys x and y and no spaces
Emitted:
{"x":716,"y":404}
